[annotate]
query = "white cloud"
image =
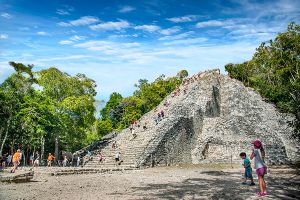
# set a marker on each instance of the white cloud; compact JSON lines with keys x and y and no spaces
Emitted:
{"x":170,"y":31}
{"x":62,"y":12}
{"x":155,"y":28}
{"x":42,"y":33}
{"x":255,"y":32}
{"x":65,"y":10}
{"x":186,"y":18}
{"x":187,"y":41}
{"x":269,"y":7}
{"x":122,"y":24}
{"x":126,"y":9}
{"x":260,"y":9}
{"x":178,"y":36}
{"x":24,"y":28}
{"x":124,"y":36}
{"x":77,"y":38}
{"x":86,"y":20}
{"x":63,"y":42}
{"x":247,"y":29}
{"x":3,"y":36}
{"x":214,"y":23}
{"x":159,"y":53}
{"x":64,"y":24}
{"x":101,"y":45}
{"x":73,"y":57}
{"x":149,"y":28}
{"x":132,"y":61}
{"x":27,"y":55}
{"x":166,"y":58}
{"x":117,"y":51}
{"x":6,"y":15}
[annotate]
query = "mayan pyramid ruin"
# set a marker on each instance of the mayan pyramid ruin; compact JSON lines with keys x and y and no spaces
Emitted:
{"x":212,"y":121}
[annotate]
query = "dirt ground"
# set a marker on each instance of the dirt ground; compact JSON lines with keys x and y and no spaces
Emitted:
{"x":188,"y":182}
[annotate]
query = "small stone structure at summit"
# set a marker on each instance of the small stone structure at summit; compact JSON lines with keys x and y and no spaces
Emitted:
{"x":214,"y":120}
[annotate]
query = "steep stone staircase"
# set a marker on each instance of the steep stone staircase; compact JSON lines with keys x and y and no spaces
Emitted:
{"x":146,"y":141}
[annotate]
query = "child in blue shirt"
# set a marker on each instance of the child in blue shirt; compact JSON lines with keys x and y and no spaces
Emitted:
{"x":248,"y":169}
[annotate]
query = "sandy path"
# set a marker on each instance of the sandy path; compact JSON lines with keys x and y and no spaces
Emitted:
{"x":154,"y":183}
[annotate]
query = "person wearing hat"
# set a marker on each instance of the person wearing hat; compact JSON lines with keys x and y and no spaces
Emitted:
{"x":258,"y":153}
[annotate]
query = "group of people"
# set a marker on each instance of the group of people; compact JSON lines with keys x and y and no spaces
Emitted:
{"x":176,"y":92}
{"x":186,"y":82}
{"x":5,"y":160}
{"x":100,"y":157}
{"x":64,"y":161}
{"x":8,"y":160}
{"x":135,"y":125}
{"x":159,"y":116}
{"x":258,"y":153}
{"x":34,"y":160}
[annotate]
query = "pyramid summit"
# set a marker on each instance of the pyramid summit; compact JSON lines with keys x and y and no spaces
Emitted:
{"x":209,"y":118}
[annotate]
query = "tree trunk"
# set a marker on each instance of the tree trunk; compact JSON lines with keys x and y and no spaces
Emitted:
{"x":1,"y":131}
{"x":5,"y":136}
{"x":12,"y":146}
{"x":42,"y":148}
{"x":56,"y":149}
{"x":33,"y":154}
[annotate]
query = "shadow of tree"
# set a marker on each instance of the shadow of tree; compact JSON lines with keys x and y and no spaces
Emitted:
{"x":219,"y":185}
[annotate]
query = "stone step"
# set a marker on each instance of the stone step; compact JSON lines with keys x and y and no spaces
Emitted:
{"x":111,"y":166}
{"x":89,"y":170}
{"x":106,"y":163}
{"x":110,"y":161}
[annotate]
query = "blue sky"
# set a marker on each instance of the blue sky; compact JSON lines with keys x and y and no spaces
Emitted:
{"x":118,"y":42}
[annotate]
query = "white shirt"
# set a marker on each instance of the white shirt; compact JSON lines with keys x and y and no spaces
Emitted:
{"x":258,"y":161}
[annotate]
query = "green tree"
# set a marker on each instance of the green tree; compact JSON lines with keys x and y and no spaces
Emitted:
{"x":182,"y":74}
{"x":104,"y":126}
{"x":73,"y":99}
{"x":274,"y":71}
{"x":12,"y":93}
{"x":112,"y":109}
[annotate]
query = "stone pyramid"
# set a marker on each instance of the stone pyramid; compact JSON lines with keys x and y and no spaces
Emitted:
{"x":212,"y":118}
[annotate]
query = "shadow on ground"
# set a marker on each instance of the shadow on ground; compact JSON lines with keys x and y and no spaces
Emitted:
{"x":219,"y":185}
